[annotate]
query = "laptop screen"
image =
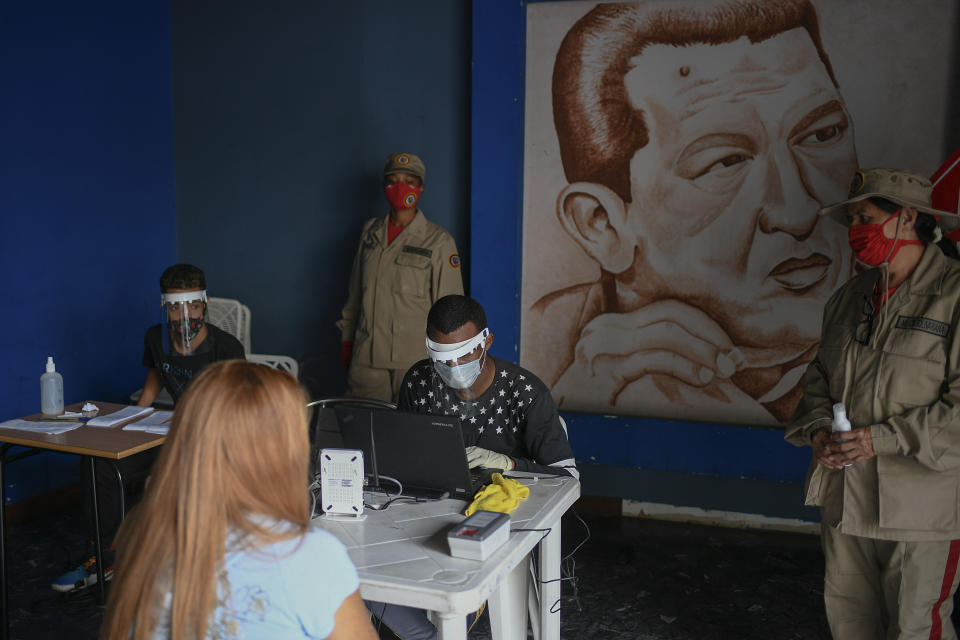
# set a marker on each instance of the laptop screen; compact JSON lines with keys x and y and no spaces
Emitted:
{"x":424,"y":452}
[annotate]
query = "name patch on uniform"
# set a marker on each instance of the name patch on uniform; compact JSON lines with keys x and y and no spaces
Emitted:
{"x":935,"y":327}
{"x":420,"y":251}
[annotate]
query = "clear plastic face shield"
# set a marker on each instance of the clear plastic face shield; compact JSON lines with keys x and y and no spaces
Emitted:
{"x":459,"y":364}
{"x":184,"y":321}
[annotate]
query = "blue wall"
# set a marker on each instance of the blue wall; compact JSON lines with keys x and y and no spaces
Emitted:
{"x":86,"y":203}
{"x":285,"y":113}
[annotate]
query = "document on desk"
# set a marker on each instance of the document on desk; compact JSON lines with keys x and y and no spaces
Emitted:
{"x":156,"y":422}
{"x":47,"y":428}
{"x":124,"y":415}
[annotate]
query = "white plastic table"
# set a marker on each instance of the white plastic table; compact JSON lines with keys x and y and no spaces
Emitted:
{"x":402,"y":557}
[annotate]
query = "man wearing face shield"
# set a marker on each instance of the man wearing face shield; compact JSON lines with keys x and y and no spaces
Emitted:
{"x":174,"y":352}
{"x":507,"y":416}
{"x":184,"y":342}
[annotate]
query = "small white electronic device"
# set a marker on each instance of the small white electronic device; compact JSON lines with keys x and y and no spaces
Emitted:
{"x":341,"y":484}
{"x":479,"y":535}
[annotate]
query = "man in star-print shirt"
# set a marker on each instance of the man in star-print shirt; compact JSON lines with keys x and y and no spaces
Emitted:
{"x":508,"y":419}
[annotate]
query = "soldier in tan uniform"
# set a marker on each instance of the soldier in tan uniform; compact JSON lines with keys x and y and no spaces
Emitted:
{"x":404,"y":264}
{"x":889,"y":489}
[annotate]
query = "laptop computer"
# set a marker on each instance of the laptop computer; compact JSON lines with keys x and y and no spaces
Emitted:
{"x":424,"y":452}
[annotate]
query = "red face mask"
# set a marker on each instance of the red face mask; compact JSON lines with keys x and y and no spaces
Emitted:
{"x":871,"y":246}
{"x":401,"y":196}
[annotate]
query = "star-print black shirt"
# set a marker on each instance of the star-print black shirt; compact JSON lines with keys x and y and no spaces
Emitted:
{"x":515,"y":416}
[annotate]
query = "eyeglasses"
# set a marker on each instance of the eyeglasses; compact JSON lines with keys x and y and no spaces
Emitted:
{"x":864,"y":328}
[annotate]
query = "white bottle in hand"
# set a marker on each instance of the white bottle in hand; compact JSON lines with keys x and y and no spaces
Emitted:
{"x":840,"y":420}
{"x":51,"y":390}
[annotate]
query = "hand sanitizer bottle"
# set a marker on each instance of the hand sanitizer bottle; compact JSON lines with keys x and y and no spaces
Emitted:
{"x":51,"y":390}
{"x":840,"y":420}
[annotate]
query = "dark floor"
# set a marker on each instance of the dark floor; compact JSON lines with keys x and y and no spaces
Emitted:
{"x":39,"y":549}
{"x":650,"y":580}
{"x":634,"y":578}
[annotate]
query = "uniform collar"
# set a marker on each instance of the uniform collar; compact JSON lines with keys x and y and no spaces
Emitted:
{"x":417,"y":228}
{"x":927,"y":277}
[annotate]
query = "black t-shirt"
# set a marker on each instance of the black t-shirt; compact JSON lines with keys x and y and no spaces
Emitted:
{"x":515,"y":416}
{"x":177,"y":371}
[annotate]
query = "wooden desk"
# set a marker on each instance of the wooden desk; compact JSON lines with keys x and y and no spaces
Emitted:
{"x":402,"y":557}
{"x":109,"y":443}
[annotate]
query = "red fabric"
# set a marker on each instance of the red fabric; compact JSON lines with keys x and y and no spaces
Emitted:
{"x":402,"y":196}
{"x":946,"y":189}
{"x":392,"y":231}
{"x":936,"y":629}
{"x":871,"y":246}
{"x":346,"y":354}
{"x":878,"y":300}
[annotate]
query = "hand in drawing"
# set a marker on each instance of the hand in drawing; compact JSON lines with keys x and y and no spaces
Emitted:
{"x":665,"y":338}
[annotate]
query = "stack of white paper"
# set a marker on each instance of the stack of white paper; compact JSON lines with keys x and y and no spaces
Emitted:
{"x":160,"y":429}
{"x":47,"y":428}
{"x":156,"y":422}
{"x":113,"y":419}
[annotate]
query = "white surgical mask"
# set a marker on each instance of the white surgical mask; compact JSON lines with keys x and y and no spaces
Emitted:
{"x":461,"y":376}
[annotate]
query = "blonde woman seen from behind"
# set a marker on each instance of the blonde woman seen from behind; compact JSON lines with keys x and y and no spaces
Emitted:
{"x":221,"y":545}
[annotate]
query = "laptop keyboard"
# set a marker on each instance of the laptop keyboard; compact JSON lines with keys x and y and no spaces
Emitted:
{"x":480,"y":476}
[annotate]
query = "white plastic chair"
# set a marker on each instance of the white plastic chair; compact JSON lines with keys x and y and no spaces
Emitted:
{"x":324,"y":428}
{"x":232,"y":316}
{"x":285,"y":363}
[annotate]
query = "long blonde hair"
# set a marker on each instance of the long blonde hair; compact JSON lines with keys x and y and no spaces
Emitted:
{"x":237,"y":447}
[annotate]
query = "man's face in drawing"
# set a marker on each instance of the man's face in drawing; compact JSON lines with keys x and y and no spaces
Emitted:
{"x":747,"y":142}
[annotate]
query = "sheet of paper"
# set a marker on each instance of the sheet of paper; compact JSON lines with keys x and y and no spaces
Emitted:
{"x":48,"y":428}
{"x":156,"y":422}
{"x":162,"y":429}
{"x":155,"y":419}
{"x":113,"y":419}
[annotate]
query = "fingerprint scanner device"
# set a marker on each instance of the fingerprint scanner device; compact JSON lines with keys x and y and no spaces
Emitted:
{"x":477,"y":537}
{"x":341,"y":484}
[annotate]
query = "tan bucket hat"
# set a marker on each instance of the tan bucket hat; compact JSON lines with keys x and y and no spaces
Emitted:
{"x":901,"y":187}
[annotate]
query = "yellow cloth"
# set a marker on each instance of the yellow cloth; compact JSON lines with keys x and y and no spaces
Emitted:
{"x":501,"y":495}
